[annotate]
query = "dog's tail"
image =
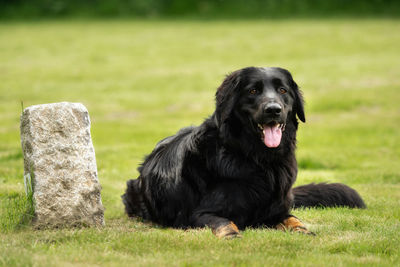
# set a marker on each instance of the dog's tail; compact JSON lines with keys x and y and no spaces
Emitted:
{"x":327,"y":195}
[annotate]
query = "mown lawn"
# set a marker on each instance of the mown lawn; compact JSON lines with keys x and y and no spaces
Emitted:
{"x":143,"y":80}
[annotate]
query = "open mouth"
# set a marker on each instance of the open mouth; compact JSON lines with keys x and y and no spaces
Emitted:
{"x":271,"y":133}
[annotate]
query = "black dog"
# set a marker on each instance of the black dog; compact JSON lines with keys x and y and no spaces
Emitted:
{"x":237,"y":169}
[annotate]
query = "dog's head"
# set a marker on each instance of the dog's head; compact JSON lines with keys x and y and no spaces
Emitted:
{"x":264,"y":99}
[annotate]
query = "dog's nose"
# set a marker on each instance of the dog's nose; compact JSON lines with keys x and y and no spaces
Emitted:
{"x":273,"y":109}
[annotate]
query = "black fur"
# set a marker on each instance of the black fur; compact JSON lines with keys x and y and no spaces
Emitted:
{"x":222,"y":171}
{"x":326,"y":195}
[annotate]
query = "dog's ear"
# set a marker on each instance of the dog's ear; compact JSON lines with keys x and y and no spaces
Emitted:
{"x":299,"y":102}
{"x":226,"y":96}
{"x":298,"y":106}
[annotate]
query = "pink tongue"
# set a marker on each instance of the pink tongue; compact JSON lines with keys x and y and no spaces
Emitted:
{"x":272,"y":135}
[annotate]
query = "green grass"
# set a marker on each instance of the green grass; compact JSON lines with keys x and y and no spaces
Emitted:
{"x":142,"y":81}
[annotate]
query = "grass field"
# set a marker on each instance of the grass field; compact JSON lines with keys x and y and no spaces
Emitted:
{"x":142,"y":81}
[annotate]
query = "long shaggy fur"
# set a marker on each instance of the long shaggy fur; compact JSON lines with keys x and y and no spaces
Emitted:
{"x":221,"y":171}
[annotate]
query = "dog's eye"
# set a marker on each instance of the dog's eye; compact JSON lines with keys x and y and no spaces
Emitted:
{"x":253,"y":91}
{"x":282,"y":90}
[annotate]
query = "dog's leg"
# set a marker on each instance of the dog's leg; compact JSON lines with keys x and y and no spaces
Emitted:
{"x":222,"y":210}
{"x":293,"y":224}
{"x":220,"y":227}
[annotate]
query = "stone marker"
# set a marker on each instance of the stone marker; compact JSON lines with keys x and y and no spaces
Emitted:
{"x":60,"y":165}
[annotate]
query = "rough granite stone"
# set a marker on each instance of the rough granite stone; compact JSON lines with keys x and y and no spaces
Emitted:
{"x":60,"y":165}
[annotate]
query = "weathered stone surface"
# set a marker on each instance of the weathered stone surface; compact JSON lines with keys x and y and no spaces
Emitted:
{"x":59,"y":160}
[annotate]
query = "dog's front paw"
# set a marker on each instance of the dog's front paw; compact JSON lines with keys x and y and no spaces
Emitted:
{"x":303,"y":230}
{"x":227,"y":231}
{"x":294,"y":225}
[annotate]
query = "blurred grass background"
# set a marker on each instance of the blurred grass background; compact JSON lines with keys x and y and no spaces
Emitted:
{"x":143,"y":79}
